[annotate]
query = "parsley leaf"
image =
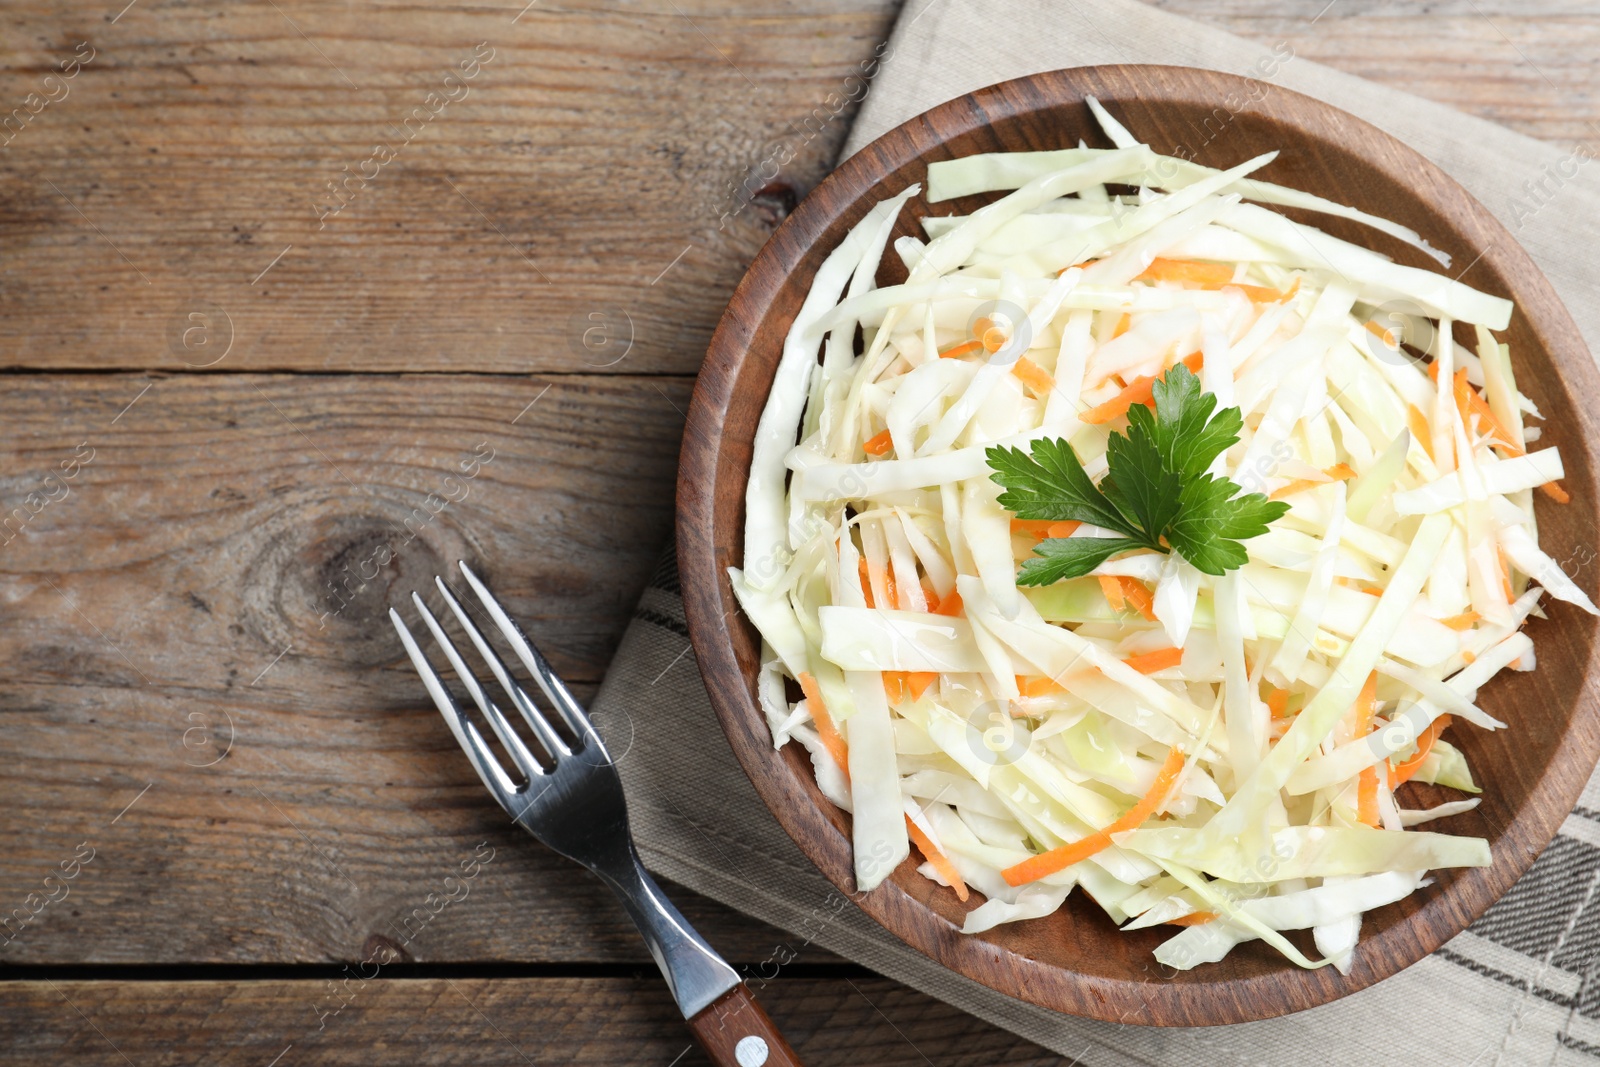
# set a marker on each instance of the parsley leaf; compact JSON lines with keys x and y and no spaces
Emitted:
{"x":1141,"y":483}
{"x":1051,"y":485}
{"x":1185,"y":431}
{"x":1069,"y":557}
{"x":1212,"y":520}
{"x":1156,"y":493}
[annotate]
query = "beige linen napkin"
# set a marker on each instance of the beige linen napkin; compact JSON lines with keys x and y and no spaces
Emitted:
{"x":1521,"y":988}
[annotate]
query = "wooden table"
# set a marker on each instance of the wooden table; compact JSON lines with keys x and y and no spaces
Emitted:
{"x":274,"y":275}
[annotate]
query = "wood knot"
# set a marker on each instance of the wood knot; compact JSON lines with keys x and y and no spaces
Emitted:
{"x":384,"y":951}
{"x":773,"y":202}
{"x":324,"y":579}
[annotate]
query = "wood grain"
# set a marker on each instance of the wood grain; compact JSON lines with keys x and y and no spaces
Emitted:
{"x":595,"y":149}
{"x":614,"y":1022}
{"x":1526,"y":65}
{"x":222,"y":519}
{"x":599,"y":144}
{"x":735,"y":1031}
{"x":199,"y":590}
{"x":1076,"y":960}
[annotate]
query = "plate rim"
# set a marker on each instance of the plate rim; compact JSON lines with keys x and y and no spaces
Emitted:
{"x":708,"y":600}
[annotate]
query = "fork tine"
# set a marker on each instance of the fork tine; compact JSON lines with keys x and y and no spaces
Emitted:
{"x":520,"y":755}
{"x":554,"y":688}
{"x":494,"y":776}
{"x":519,"y":697}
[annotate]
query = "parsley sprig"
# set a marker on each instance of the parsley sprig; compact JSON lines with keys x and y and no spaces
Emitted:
{"x":1155,"y":495}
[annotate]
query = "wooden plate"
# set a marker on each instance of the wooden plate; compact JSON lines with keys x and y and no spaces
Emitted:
{"x":1076,"y":961}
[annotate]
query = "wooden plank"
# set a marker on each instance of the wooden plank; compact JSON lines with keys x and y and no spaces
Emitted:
{"x":1525,"y":65}
{"x":324,"y":834}
{"x":594,"y":163}
{"x":616,"y":1022}
{"x":567,"y":213}
{"x":601,"y":143}
{"x":176,"y":595}
{"x":212,"y":522}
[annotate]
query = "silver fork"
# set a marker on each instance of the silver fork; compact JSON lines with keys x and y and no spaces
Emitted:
{"x":576,"y":807}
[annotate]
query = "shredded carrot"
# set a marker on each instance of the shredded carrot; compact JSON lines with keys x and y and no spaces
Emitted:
{"x":1463,"y":621}
{"x":918,"y":681}
{"x":1386,"y":336}
{"x":961,"y":349}
{"x":1112,"y":588}
{"x":1188,"y":271}
{"x":1299,"y":485}
{"x":1367,"y":797}
{"x":894,"y":687}
{"x":1257,"y":294}
{"x":1277,"y":701}
{"x":878,"y":444}
{"x":1417,"y":423}
{"x":1339,"y":472}
{"x":1366,"y":704}
{"x":1554,"y":491}
{"x":1367,"y":785}
{"x":1048,"y":863}
{"x":889,"y":591}
{"x":1138,"y":391}
{"x":1159,"y":660}
{"x":939,"y":860}
{"x":1260,"y":294}
{"x":826,"y":730}
{"x":1468,"y":656}
{"x":1135,"y":593}
{"x":1194,"y":918}
{"x":1357,"y":585}
{"x":1505,"y":574}
{"x":1469,"y":403}
{"x":950,"y":605}
{"x":1063,"y":529}
{"x":1404,"y":772}
{"x":1038,"y":529}
{"x":1122,"y":326}
{"x":1038,"y":686}
{"x":993,"y":338}
{"x":1033,"y":376}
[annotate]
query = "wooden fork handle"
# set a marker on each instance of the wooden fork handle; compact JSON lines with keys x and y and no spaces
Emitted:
{"x":735,"y":1032}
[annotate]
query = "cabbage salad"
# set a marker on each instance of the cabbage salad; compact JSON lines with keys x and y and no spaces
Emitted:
{"x":1147,"y":543}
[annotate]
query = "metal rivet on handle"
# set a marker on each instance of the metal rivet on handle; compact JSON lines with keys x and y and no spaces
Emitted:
{"x":750,"y":1051}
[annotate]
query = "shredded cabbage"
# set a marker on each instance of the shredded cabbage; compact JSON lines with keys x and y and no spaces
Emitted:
{"x":1262,"y":724}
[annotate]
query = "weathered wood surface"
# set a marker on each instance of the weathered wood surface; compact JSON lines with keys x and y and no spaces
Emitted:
{"x":584,"y":153}
{"x":202,"y":613}
{"x":614,"y":1022}
{"x":1526,"y":65}
{"x":598,"y":144}
{"x":213,"y":521}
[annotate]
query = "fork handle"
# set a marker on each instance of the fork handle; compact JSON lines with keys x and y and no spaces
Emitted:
{"x":730,"y":1025}
{"x":735,"y":1032}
